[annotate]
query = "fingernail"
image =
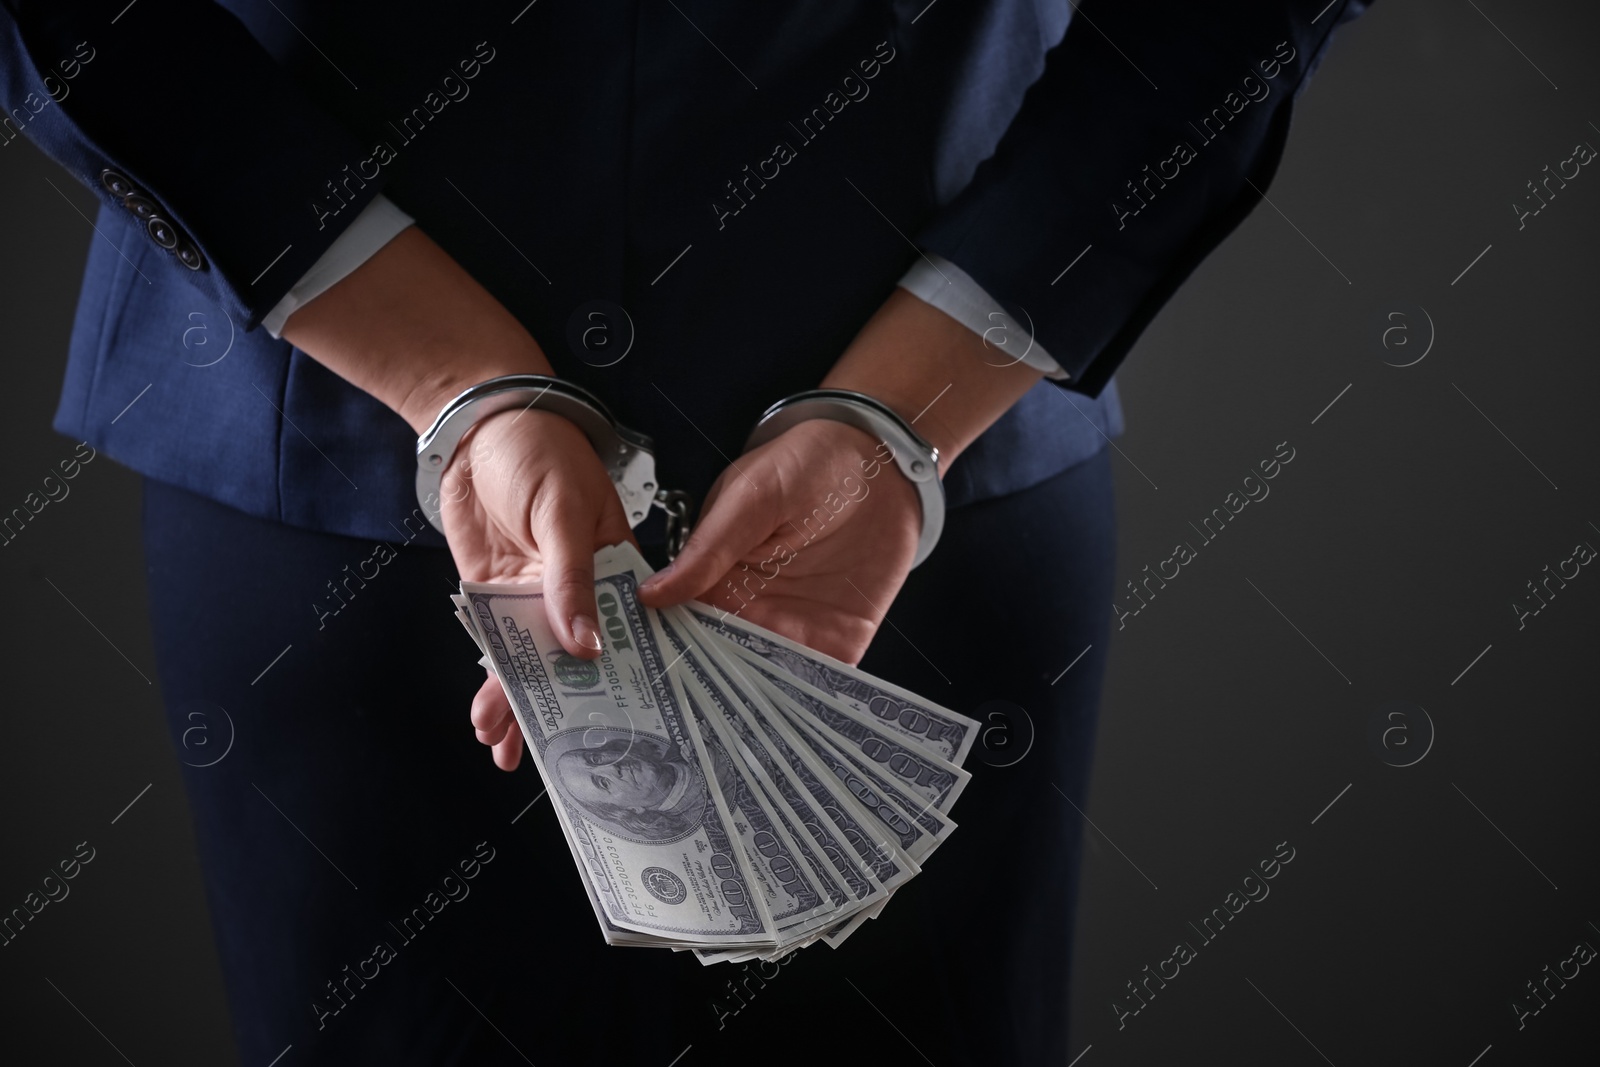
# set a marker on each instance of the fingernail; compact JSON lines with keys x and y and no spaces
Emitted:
{"x":657,"y":578}
{"x":585,"y":633}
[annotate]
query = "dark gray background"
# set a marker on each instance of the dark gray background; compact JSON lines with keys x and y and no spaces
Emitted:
{"x":1390,"y":550}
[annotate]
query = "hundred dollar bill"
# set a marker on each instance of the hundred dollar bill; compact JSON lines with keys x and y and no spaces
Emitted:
{"x":925,"y":827}
{"x":938,"y":782}
{"x":464,"y":616}
{"x":939,"y":730}
{"x":631,"y":781}
{"x":788,"y":886}
{"x":840,"y":829}
{"x":815,"y":789}
{"x":895,"y":815}
{"x":796,"y":934}
{"x":776,"y":848}
{"x":875,"y":835}
{"x":465,"y":619}
{"x":836,"y":826}
{"x":709,"y":702}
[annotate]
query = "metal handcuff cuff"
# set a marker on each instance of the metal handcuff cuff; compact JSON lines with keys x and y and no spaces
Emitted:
{"x":629,"y":456}
{"x":916,"y":458}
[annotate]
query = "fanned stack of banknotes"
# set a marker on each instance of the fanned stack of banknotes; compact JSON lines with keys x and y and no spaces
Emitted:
{"x":722,"y":788}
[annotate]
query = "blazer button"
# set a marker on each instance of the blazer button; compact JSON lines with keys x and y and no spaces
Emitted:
{"x":141,"y":206}
{"x":116,"y":184}
{"x":162,"y":232}
{"x":190,"y":256}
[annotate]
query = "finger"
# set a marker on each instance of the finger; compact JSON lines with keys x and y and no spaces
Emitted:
{"x":508,"y":753}
{"x":566,"y":540}
{"x":495,"y":732}
{"x":651,"y":589}
{"x":490,"y":708}
{"x":491,"y":713}
{"x":735,"y":523}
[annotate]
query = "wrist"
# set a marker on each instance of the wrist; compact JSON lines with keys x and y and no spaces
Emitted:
{"x":930,"y":370}
{"x":854,"y":464}
{"x":897,"y":444}
{"x":413,"y":329}
{"x":448,"y":370}
{"x":903,"y":399}
{"x":620,"y":453}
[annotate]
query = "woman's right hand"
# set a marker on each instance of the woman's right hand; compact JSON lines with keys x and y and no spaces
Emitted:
{"x":525,"y":496}
{"x":527,"y":499}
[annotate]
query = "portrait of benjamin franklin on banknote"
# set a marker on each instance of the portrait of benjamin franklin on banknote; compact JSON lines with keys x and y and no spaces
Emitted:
{"x":640,"y":788}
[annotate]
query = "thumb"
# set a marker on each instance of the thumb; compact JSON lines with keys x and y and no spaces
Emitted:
{"x":566,"y":542}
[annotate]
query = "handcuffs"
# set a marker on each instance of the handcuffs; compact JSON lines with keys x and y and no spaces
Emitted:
{"x":629,"y":456}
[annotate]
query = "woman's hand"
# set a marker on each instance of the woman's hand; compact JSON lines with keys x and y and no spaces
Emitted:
{"x":811,"y":535}
{"x":525,"y":497}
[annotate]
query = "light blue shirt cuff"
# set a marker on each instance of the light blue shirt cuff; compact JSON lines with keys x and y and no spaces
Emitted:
{"x":937,"y":281}
{"x":375,"y":227}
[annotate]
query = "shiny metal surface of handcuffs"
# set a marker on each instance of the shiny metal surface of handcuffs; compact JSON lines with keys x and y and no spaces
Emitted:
{"x":628,"y":456}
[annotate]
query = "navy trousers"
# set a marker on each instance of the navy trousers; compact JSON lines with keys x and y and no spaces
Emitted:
{"x":381,"y":893}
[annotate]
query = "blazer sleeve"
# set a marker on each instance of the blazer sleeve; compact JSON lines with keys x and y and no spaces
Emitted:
{"x":171,"y":111}
{"x":1145,"y":141}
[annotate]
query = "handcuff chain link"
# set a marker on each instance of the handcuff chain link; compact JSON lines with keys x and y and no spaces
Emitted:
{"x":676,"y":504}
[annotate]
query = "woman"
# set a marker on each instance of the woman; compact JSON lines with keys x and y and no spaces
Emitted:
{"x":546,"y":172}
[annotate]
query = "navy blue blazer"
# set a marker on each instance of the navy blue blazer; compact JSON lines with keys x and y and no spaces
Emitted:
{"x":741,"y":184}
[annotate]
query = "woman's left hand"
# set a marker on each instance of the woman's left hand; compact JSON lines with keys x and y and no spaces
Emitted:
{"x":811,"y":535}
